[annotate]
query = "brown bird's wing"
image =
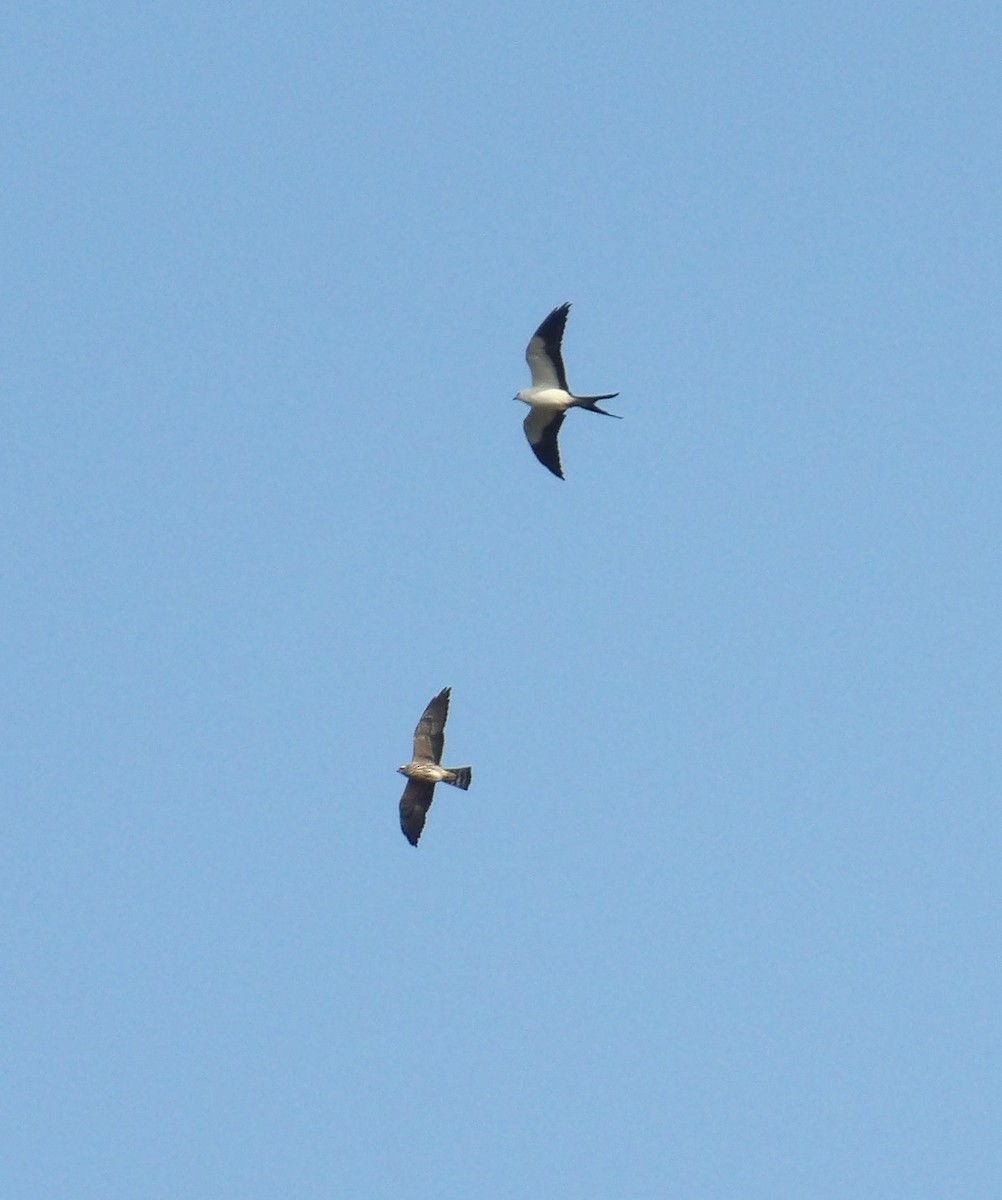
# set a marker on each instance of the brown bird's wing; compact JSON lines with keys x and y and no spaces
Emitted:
{"x":414,"y":805}
{"x":429,"y":737}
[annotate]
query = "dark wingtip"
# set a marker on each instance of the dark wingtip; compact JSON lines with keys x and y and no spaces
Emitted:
{"x":553,"y":468}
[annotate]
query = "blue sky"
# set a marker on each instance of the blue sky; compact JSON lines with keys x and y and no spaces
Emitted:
{"x":720,"y":914}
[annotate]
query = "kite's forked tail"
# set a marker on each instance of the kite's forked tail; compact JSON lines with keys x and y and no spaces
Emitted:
{"x":588,"y":403}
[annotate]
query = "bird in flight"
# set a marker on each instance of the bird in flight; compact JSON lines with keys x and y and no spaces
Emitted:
{"x":424,"y":769}
{"x":549,"y":398}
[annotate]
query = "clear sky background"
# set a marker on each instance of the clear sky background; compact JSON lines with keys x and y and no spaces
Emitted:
{"x":719,"y":917}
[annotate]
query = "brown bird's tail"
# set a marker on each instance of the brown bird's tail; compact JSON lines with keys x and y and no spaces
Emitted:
{"x":461,"y":777}
{"x":588,"y":402}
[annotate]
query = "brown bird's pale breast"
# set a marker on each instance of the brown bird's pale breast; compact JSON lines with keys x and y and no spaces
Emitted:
{"x":427,"y":772}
